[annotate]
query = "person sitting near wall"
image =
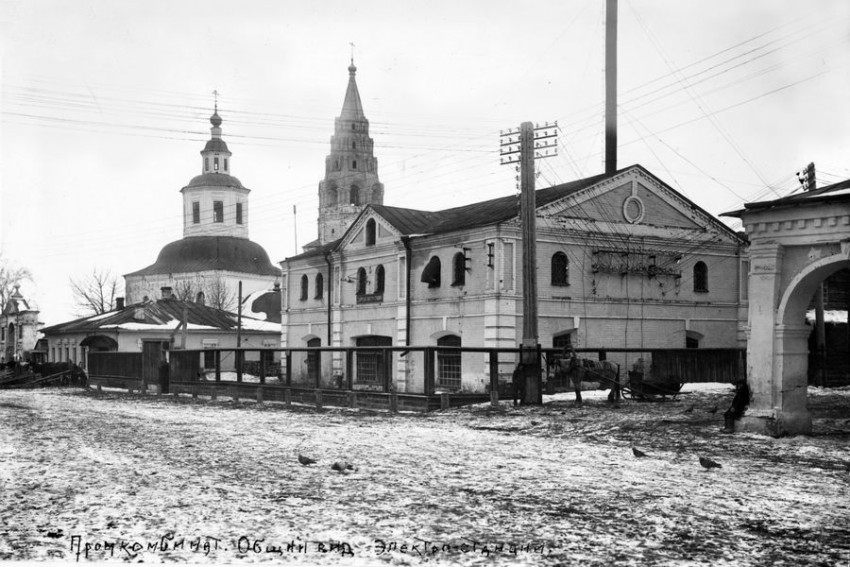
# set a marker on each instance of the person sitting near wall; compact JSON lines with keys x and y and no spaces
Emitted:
{"x":738,"y":407}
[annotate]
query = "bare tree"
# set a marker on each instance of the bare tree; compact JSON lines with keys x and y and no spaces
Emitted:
{"x":219,"y":295}
{"x":11,"y":275}
{"x":96,"y":293}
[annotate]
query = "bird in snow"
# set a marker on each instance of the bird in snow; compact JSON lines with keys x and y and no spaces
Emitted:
{"x":342,"y":466}
{"x":305,"y":460}
{"x":638,"y":453}
{"x":709,"y":464}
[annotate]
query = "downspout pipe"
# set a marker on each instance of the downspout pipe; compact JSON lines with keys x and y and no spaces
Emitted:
{"x":409,"y":295}
{"x":330,"y":296}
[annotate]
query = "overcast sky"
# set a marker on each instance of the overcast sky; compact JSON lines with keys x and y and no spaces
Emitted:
{"x":106,"y":105}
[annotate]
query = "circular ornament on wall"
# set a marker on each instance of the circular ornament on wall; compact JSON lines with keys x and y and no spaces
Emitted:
{"x":633,"y":209}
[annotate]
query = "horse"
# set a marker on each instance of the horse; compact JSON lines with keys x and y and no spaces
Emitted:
{"x":578,"y":369}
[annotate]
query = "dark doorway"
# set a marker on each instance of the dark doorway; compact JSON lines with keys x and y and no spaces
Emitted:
{"x":155,"y":364}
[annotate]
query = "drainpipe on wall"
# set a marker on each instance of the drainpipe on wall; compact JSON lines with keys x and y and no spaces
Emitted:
{"x":409,"y":295}
{"x":330,"y":296}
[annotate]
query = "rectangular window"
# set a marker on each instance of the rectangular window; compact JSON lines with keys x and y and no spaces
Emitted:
{"x":225,"y":164}
{"x":238,"y":213}
{"x":745,"y":280}
{"x":2,"y":333}
{"x":218,"y":211}
{"x":215,"y":164}
{"x":209,"y":354}
{"x":196,"y":212}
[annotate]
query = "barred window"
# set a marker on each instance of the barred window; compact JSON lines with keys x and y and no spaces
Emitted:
{"x":449,"y":363}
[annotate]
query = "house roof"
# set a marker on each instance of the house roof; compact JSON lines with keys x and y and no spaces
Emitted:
{"x":211,"y":253}
{"x":831,"y":193}
{"x":163,"y":314}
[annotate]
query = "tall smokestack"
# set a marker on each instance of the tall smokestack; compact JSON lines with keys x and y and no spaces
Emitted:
{"x":611,"y":86}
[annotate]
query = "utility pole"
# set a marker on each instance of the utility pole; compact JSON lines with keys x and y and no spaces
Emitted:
{"x":522,"y":148}
{"x":239,"y":335}
{"x":611,"y":87}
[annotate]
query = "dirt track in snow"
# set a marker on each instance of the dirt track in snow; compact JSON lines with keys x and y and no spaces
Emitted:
{"x":550,"y":485}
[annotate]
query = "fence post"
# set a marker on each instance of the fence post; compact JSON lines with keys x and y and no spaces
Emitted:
{"x":287,"y":396}
{"x":393,"y":402}
{"x":194,"y":391}
{"x":429,"y":371}
{"x":214,"y":394}
{"x":289,"y":368}
{"x":262,"y":368}
{"x":384,"y":368}
{"x":352,"y":399}
{"x":218,"y":365}
{"x":259,"y":394}
{"x":239,"y":356}
{"x":318,"y":399}
{"x":494,"y":378}
{"x":444,"y":401}
{"x":349,"y":368}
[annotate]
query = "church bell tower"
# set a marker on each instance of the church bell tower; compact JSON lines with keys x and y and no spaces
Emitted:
{"x":351,"y":169}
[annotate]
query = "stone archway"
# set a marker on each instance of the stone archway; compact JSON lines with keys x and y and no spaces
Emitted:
{"x":795,"y":244}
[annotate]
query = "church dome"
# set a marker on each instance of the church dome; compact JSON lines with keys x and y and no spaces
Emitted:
{"x":216,"y":145}
{"x":215,"y":179}
{"x":208,"y":253}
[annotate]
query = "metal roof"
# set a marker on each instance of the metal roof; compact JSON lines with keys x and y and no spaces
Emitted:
{"x":211,"y":253}
{"x":215,"y":180}
{"x":831,"y":193}
{"x":164,"y":313}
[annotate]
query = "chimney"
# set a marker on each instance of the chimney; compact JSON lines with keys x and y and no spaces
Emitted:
{"x":611,"y":86}
{"x":119,"y":303}
{"x":166,"y":292}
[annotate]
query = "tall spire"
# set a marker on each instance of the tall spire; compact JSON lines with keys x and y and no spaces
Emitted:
{"x":352,"y":108}
{"x":351,"y":170}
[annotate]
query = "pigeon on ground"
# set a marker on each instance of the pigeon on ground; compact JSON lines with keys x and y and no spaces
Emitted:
{"x":690,"y":409}
{"x":342,"y":466}
{"x":305,"y":460}
{"x":638,"y":453}
{"x":709,"y":464}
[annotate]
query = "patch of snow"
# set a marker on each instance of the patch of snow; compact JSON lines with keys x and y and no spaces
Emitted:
{"x":830,"y":316}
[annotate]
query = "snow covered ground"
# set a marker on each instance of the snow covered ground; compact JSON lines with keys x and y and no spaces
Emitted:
{"x":130,"y":477}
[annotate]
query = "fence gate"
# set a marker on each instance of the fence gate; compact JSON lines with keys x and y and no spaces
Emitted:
{"x":153,"y":358}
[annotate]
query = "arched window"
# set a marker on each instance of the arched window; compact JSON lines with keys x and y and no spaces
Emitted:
{"x":330,"y":201}
{"x":354,"y":195}
{"x":370,"y":232}
{"x":200,"y":298}
{"x":353,"y":145}
{"x":379,"y":279}
{"x":320,"y":286}
{"x":431,"y":273}
{"x":449,"y":363}
{"x":361,"y":282}
{"x":700,"y":277}
{"x":459,"y":269}
{"x":560,"y":269}
{"x":305,"y":284}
